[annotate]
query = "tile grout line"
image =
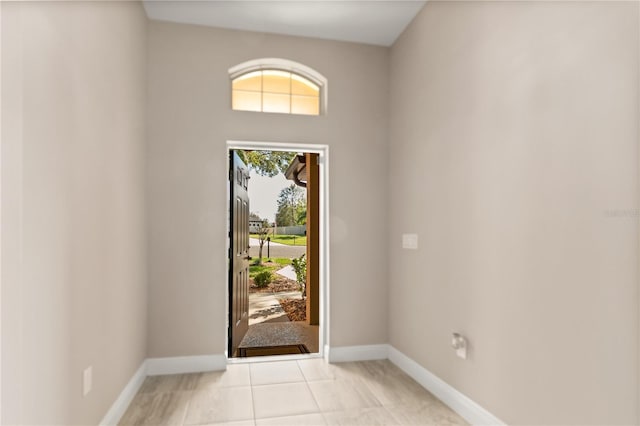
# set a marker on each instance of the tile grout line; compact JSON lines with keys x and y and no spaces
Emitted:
{"x":253,"y":400}
{"x":395,"y":419}
{"x":186,"y":410}
{"x":303,"y":381}
{"x":306,"y":382}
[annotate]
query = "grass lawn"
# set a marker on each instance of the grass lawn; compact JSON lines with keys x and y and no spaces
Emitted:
{"x":290,"y":240}
{"x":275,"y":264}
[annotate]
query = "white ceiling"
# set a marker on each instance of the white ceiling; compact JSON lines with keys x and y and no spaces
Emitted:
{"x":360,"y":21}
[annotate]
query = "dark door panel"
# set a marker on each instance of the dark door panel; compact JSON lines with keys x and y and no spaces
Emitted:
{"x":239,"y":253}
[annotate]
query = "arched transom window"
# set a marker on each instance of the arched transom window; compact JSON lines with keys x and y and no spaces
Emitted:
{"x":275,"y":89}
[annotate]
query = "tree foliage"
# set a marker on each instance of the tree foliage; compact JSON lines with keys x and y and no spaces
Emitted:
{"x":267,"y":163}
{"x":292,"y":206}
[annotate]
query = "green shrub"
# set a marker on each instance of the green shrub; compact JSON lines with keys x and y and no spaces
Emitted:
{"x":263,"y":279}
{"x":300,"y":267}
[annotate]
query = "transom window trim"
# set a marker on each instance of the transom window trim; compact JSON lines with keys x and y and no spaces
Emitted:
{"x":279,"y":73}
{"x":297,"y":70}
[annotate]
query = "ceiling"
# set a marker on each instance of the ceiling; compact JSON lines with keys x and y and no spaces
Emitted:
{"x":360,"y":21}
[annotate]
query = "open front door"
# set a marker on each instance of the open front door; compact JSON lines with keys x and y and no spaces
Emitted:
{"x":238,"y":253}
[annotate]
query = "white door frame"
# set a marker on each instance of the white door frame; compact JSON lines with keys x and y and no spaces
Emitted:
{"x":323,"y":160}
{"x":1,"y":193}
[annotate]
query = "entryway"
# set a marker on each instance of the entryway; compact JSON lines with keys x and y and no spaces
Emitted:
{"x":258,"y":324}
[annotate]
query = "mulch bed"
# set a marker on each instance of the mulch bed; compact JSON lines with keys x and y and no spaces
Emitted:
{"x":277,"y":285}
{"x":296,"y":309}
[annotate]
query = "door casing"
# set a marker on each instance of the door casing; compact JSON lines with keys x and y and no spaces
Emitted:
{"x":323,"y":159}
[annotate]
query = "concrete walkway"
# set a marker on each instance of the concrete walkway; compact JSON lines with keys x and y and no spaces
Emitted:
{"x":269,"y":325}
{"x":287,"y":272}
{"x":264,"y":307}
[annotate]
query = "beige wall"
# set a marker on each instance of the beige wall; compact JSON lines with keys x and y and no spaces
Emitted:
{"x":512,"y":152}
{"x":73,"y":278}
{"x":514,"y":133}
{"x":189,"y":122}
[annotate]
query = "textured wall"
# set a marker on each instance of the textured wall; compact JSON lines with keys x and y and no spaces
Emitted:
{"x":514,"y":155}
{"x":74,"y":273}
{"x":190,"y":120}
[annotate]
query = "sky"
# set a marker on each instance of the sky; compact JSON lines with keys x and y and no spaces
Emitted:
{"x":263,"y":194}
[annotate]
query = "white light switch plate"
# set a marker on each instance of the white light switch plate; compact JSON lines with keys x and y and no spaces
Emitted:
{"x":410,"y":241}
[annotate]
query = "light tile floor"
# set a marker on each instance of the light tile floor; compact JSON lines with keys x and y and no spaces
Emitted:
{"x":304,"y":392}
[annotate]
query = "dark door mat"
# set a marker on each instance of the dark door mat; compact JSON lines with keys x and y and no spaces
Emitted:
{"x":273,"y":350}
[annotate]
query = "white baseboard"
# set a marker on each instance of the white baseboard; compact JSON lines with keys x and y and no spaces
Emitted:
{"x":357,"y":353}
{"x":121,"y":404}
{"x":186,"y":364}
{"x":457,"y":401}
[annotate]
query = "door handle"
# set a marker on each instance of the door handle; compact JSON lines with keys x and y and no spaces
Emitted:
{"x":248,"y":258}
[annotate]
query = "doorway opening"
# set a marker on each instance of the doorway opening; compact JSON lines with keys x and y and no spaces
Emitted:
{"x":277,"y":280}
